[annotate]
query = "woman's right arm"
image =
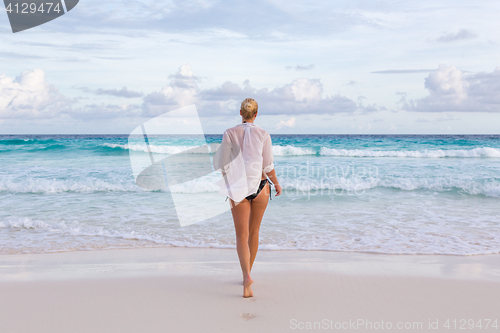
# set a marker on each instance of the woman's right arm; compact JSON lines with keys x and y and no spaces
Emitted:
{"x":274,"y":180}
{"x":269,"y":165}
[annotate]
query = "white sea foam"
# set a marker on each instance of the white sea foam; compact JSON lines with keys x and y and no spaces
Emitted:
{"x":427,"y":153}
{"x":426,"y":234}
{"x":71,"y":236}
{"x":158,"y":149}
{"x":302,"y":184}
{"x":290,"y":150}
{"x":489,"y":188}
{"x":359,"y":185}
{"x":25,"y":223}
{"x":166,"y":149}
{"x":492,"y":191}
{"x":50,"y":185}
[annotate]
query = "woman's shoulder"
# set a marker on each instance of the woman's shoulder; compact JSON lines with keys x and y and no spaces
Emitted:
{"x":240,"y":128}
{"x":232,"y":132}
{"x":231,"y":129}
{"x":263,"y":132}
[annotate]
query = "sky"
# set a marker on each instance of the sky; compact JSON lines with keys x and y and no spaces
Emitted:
{"x":323,"y":67}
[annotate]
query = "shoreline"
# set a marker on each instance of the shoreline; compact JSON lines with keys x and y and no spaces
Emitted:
{"x":199,"y":290}
{"x":156,"y":260}
{"x":263,"y":249}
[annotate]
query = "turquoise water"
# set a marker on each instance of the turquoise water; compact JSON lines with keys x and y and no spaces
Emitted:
{"x":384,"y":194}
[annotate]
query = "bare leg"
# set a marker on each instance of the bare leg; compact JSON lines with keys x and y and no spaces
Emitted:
{"x":241,"y":217}
{"x":258,"y":207}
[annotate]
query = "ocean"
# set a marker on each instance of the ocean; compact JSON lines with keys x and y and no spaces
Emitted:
{"x":394,"y":194}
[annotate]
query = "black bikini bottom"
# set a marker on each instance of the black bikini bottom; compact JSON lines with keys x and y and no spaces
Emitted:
{"x":261,"y":186}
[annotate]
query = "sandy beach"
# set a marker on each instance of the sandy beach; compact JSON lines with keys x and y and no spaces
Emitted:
{"x":199,"y":290}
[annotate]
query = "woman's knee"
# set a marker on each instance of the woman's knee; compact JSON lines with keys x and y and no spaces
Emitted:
{"x":242,"y":237}
{"x":254,"y":232}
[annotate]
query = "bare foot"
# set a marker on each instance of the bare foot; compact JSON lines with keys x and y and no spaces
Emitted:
{"x":247,"y":289}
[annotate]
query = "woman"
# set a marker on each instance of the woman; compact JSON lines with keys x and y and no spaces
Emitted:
{"x":254,"y":144}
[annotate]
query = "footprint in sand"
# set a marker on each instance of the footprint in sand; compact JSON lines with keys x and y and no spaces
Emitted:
{"x":247,"y":316}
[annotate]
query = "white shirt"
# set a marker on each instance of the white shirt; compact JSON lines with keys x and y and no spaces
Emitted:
{"x":251,"y":157}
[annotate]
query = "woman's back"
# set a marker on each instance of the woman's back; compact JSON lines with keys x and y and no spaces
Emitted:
{"x":254,"y":144}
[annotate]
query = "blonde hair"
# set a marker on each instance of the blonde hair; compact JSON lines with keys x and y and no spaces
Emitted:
{"x":249,"y":108}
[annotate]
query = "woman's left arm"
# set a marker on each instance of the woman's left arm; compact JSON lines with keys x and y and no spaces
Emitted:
{"x":223,"y":158}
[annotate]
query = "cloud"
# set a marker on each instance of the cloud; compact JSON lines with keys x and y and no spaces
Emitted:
{"x":30,"y":96}
{"x":98,"y":45}
{"x":181,"y":91}
{"x":92,"y":112}
{"x":301,"y":96}
{"x":403,"y":71}
{"x":452,"y":90}
{"x":124,"y":92}
{"x":298,"y":97}
{"x":288,"y":123}
{"x":361,"y":126}
{"x":301,"y":68}
{"x":12,"y":55}
{"x":448,"y":117}
{"x":422,"y":120}
{"x":462,"y":34}
{"x":254,"y":19}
